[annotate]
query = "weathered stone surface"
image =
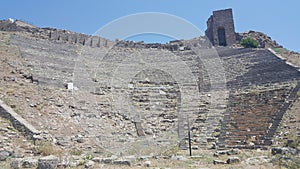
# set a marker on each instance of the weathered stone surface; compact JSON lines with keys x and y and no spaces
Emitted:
{"x":147,"y":163}
{"x":214,"y":145}
{"x":233,"y":152}
{"x":219,"y":162}
{"x":284,"y":151}
{"x":122,"y":162}
{"x":48,"y":162}
{"x":29,"y":162}
{"x":218,"y":153}
{"x":63,"y":141}
{"x":242,"y":128}
{"x":109,"y":160}
{"x":4,"y":155}
{"x":233,"y":160}
{"x":180,"y":158}
{"x":145,"y":157}
{"x":97,"y":159}
{"x":16,"y":163}
{"x":228,"y":152}
{"x":56,"y":34}
{"x":221,"y":19}
{"x":89,"y":164}
{"x":18,"y":122}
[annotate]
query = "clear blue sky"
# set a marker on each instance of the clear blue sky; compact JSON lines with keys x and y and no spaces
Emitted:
{"x":278,"y":19}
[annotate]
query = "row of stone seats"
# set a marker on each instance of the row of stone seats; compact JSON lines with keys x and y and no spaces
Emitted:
{"x":251,"y":115}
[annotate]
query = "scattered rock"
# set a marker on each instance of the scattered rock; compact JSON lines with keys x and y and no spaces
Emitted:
{"x":219,"y":162}
{"x":16,"y":163}
{"x":131,"y":158}
{"x":32,"y":105}
{"x":29,"y":163}
{"x":233,"y":160}
{"x":218,"y":153}
{"x":73,"y":164}
{"x":211,"y":139}
{"x":65,"y":142}
{"x":4,"y":155}
{"x":195,"y":147}
{"x":228,"y":152}
{"x":233,"y":152}
{"x":24,"y":163}
{"x":145,"y":157}
{"x":89,"y":164}
{"x":122,"y":162}
{"x":48,"y":162}
{"x":214,"y":145}
{"x":147,"y":163}
{"x":17,"y":155}
{"x":109,"y":160}
{"x":180,"y":158}
{"x":97,"y":159}
{"x":80,"y":140}
{"x":284,"y":151}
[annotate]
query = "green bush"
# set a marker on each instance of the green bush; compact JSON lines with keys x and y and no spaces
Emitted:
{"x":249,"y":42}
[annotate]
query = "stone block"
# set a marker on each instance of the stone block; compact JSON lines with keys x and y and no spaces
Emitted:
{"x":29,"y":163}
{"x":284,"y":151}
{"x":122,"y":162}
{"x":219,"y":162}
{"x":48,"y":162}
{"x":233,"y":160}
{"x":4,"y":155}
{"x":147,"y":163}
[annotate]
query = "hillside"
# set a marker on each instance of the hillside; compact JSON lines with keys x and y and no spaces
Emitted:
{"x":128,"y":100}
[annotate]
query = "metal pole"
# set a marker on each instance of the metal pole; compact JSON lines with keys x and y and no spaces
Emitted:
{"x":189,"y":136}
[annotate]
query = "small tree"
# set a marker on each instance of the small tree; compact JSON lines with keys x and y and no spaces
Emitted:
{"x":249,"y":42}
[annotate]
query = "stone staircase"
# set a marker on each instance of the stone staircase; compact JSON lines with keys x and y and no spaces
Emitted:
{"x":251,"y":115}
{"x":126,"y":91}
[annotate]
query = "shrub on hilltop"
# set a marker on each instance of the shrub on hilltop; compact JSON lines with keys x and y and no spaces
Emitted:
{"x":249,"y":42}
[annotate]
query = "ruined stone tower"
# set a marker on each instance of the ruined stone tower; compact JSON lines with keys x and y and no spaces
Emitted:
{"x":220,"y":28}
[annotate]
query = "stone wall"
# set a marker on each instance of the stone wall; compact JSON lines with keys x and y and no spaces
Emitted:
{"x":18,"y":122}
{"x":55,"y":34}
{"x":96,"y":41}
{"x":220,"y":21}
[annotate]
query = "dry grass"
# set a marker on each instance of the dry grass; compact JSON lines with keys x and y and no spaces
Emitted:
{"x":10,"y":91}
{"x":46,"y":148}
{"x":291,"y":57}
{"x":76,"y":152}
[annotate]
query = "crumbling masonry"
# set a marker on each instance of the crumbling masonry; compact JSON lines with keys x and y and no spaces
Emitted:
{"x":220,"y":28}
